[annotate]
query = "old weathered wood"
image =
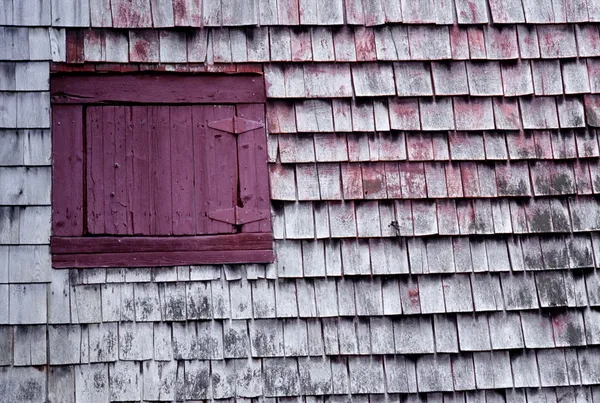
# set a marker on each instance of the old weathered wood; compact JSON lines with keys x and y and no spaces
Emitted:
{"x":155,"y":88}
{"x":146,"y":259}
{"x":68,"y":168}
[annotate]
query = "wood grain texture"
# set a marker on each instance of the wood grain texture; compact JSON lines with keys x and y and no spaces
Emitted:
{"x":67,"y":197}
{"x":146,"y":259}
{"x":157,"y":88}
{"x":106,"y":244}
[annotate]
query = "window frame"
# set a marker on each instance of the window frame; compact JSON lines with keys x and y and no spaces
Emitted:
{"x":71,"y":247}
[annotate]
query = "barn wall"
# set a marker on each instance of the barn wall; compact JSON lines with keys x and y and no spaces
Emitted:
{"x":434,"y":170}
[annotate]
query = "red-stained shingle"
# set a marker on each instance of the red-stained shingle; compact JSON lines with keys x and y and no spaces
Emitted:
{"x":413,"y":79}
{"x":473,"y":114}
{"x":450,"y":78}
{"x":404,"y":114}
{"x":517,"y":79}
{"x":472,"y":11}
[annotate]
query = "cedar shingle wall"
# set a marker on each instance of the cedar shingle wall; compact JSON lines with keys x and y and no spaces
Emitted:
{"x":434,"y":167}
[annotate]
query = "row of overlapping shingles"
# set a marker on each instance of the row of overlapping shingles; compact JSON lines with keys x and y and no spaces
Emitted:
{"x":331,"y":336}
{"x":168,"y":13}
{"x":343,"y":44}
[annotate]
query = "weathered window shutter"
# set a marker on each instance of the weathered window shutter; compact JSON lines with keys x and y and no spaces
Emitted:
{"x":247,"y":130}
{"x":158,"y":175}
{"x":181,"y":170}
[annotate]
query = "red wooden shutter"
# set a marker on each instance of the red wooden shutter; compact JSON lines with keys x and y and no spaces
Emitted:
{"x":176,"y":170}
{"x":67,"y":152}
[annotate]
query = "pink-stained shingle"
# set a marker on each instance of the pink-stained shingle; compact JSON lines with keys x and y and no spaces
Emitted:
{"x":495,"y":146}
{"x":575,"y":77}
{"x":330,"y":13}
{"x":587,"y":143}
{"x":444,"y":12}
{"x":382,"y":115}
{"x":592,"y":110}
{"x":173,"y":47}
{"x":283,"y":182}
{"x":454,"y":180}
{"x":422,"y":12}
{"x":358,"y":147}
{"x":428,"y":42}
{"x":144,"y":46}
{"x":528,"y":41}
{"x":330,"y":182}
{"x":539,"y":113}
{"x":281,"y":117}
{"x":472,"y":11}
{"x":343,"y":43}
{"x":470,"y":179}
{"x":557,"y":41}
{"x":521,"y":145}
{"x":538,"y":12}
{"x":517,"y":79}
{"x":449,"y":78}
{"x":322,"y":45}
{"x":412,"y":180}
{"x":364,"y":41}
{"x":373,"y":79}
{"x":293,"y":75}
{"x":576,"y":10}
{"x":131,"y":14}
{"x":354,"y":12}
{"x":506,"y":114}
{"x":459,"y":43}
{"x":413,"y":79}
{"x":307,"y":182}
{"x":342,"y":115}
{"x":314,"y":116}
{"x":473,"y":114}
{"x":571,"y":113}
{"x":502,"y":42}
{"x":301,"y":44}
{"x":392,"y":10}
{"x":327,"y":80}
{"x":384,"y":44}
{"x":476,"y":37}
{"x":257,"y":42}
{"x":373,"y":12}
{"x":419,"y":146}
{"x":362,"y":116}
{"x":295,"y":148}
{"x":484,"y":78}
{"x":547,"y":77}
{"x":374,"y":185}
{"x":588,"y":40}
{"x":404,"y":114}
{"x":507,"y":11}
{"x":435,"y":176}
{"x":466,"y":146}
{"x":436,"y":114}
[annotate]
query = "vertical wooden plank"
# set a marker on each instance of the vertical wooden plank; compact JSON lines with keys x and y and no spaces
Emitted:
{"x":119,"y":202}
{"x":67,"y":146}
{"x":129,"y":168}
{"x":95,"y":169}
{"x":214,"y":168}
{"x":253,"y":170}
{"x":108,"y":174}
{"x":182,"y":170}
{"x":160,"y":175}
{"x":141,"y":171}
